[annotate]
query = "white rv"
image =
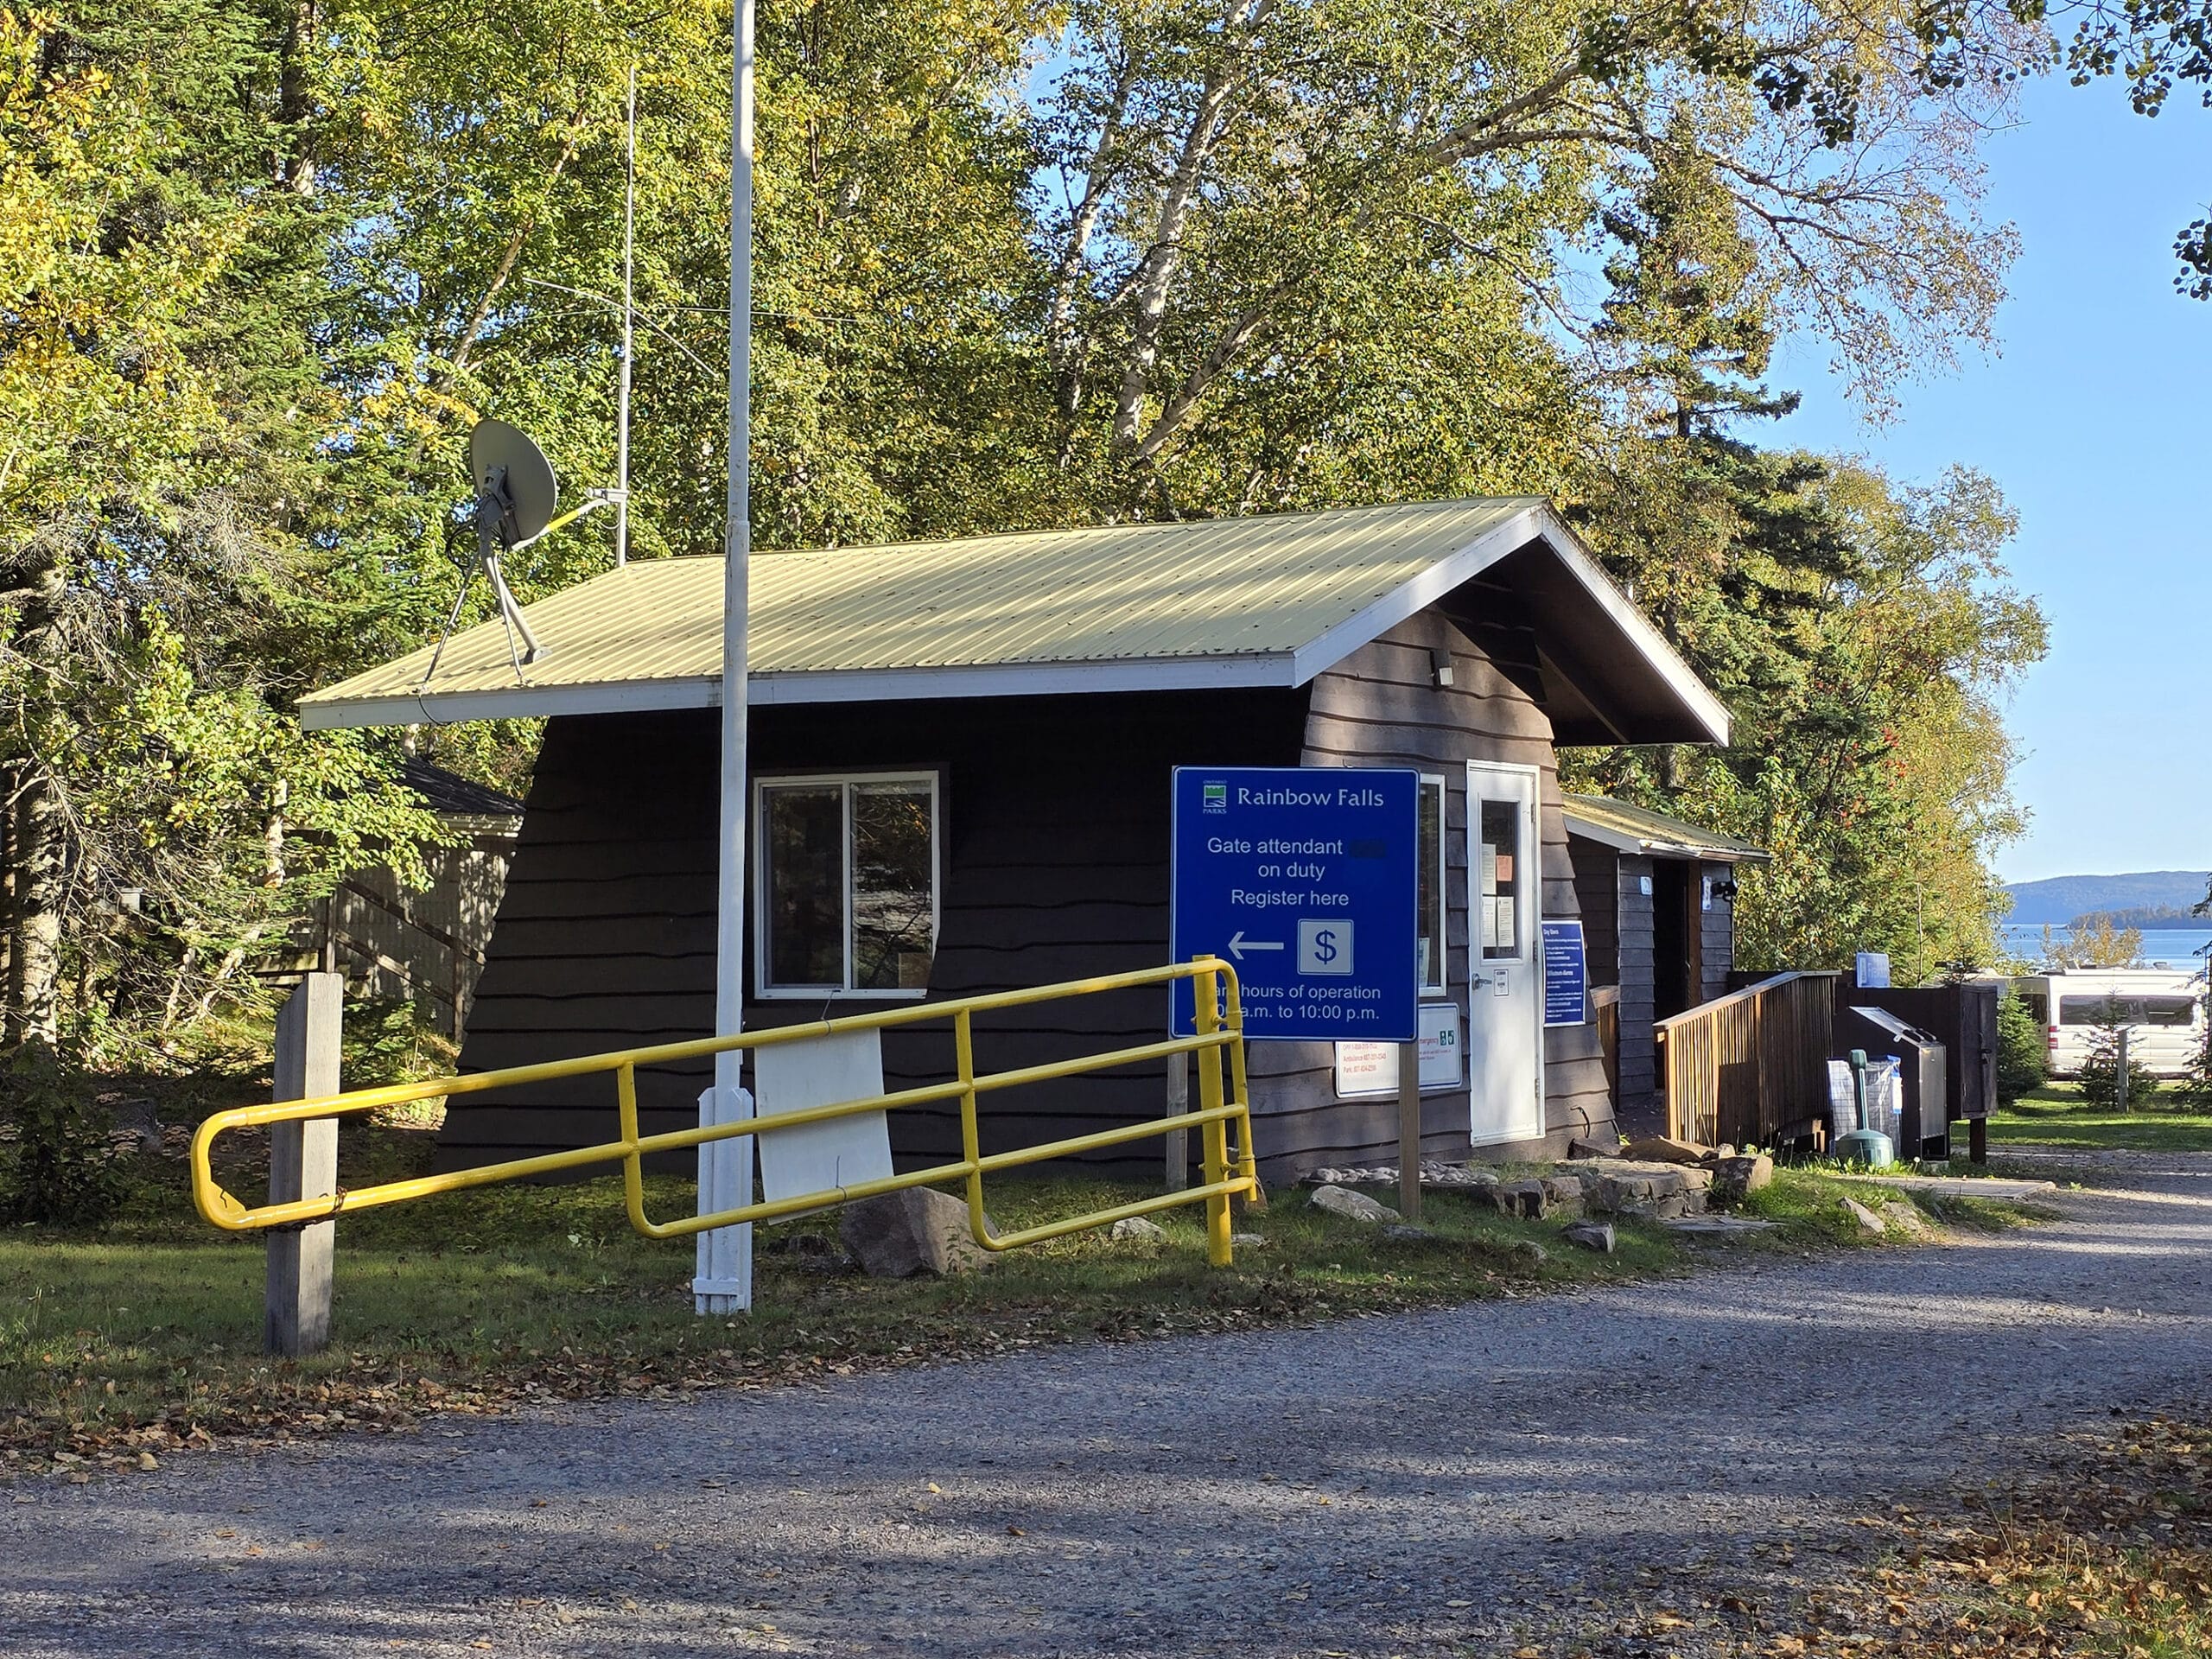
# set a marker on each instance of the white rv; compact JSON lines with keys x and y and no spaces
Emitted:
{"x":2162,"y":1009}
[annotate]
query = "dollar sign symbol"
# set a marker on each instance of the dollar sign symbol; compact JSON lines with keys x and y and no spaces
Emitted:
{"x":1325,"y":946}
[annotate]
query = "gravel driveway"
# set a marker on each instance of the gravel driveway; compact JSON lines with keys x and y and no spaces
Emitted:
{"x":1416,"y":1485}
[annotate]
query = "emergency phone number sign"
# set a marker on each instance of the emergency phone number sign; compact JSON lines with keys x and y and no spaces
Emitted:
{"x":1303,"y":877}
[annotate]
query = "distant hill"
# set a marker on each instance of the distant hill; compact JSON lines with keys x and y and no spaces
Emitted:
{"x":2150,"y":918}
{"x":2058,"y":899}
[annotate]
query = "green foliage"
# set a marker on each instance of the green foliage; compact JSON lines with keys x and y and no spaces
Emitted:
{"x":2093,"y":942}
{"x":266,"y":266}
{"x":2105,"y":1084}
{"x":391,"y":1041}
{"x":2023,"y":1056}
{"x":57,"y":1165}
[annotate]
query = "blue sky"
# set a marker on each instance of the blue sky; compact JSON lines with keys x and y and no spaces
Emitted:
{"x":2096,"y":421}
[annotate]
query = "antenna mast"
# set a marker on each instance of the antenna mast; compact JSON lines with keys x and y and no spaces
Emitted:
{"x":622,"y":387}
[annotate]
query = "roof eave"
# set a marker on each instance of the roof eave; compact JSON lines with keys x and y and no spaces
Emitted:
{"x":328,"y":712}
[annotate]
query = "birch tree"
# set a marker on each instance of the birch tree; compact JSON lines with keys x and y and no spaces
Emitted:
{"x":1221,"y":164}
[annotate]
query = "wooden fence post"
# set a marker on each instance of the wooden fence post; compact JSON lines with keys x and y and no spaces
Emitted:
{"x":1410,"y":1130}
{"x":1179,"y":1140}
{"x":303,"y":1164}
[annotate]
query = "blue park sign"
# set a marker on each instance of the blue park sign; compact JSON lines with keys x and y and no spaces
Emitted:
{"x":1305,"y":878}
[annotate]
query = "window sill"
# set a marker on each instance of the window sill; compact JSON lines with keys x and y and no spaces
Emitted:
{"x":831,"y":994}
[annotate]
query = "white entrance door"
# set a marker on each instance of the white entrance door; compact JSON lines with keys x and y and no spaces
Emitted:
{"x":1505,"y":989}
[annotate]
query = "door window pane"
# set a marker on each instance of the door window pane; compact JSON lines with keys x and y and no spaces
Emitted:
{"x":892,"y":897}
{"x":1428,"y":946}
{"x":1501,"y":878}
{"x":805,"y":880}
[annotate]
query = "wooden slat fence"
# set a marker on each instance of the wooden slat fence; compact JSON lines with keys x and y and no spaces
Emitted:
{"x":1747,"y":1067}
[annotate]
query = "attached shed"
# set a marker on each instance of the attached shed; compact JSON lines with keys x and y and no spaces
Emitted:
{"x":961,"y":756}
{"x":1658,"y":903}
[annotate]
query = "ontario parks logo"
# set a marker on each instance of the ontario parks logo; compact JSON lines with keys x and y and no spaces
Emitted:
{"x":1215,"y":797}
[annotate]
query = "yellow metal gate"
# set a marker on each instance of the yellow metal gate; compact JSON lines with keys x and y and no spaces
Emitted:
{"x":1223,"y":1107}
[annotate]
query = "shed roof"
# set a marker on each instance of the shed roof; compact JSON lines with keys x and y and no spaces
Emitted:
{"x":453,"y":796}
{"x":1639,"y":829}
{"x":1264,"y":600}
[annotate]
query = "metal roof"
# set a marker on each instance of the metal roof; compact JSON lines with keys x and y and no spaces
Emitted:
{"x":454,"y":796}
{"x":1639,"y":829}
{"x":1264,"y":600}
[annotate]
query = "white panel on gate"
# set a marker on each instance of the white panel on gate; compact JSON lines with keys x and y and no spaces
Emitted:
{"x":840,"y":1151}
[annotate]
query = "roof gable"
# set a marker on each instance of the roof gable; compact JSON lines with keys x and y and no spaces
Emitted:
{"x":1263,"y":601}
{"x":1639,"y":829}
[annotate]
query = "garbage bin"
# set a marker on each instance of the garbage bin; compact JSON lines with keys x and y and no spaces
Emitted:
{"x":1923,"y":1118}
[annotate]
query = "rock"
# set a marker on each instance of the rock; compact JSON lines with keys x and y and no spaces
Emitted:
{"x":1619,"y":1187}
{"x":1579,"y":1148}
{"x":1433,"y":1174}
{"x":1867,"y":1220}
{"x":1591,"y":1236}
{"x":1733,"y":1177}
{"x":1352,"y":1206}
{"x":1718,"y":1226}
{"x":1248,"y":1241}
{"x":1528,"y":1254}
{"x":1404,"y":1232}
{"x":1562,"y":1192}
{"x":898,"y":1234}
{"x":1663,"y":1149}
{"x":1904,"y":1216}
{"x":1137,"y":1227}
{"x":1526,"y":1200}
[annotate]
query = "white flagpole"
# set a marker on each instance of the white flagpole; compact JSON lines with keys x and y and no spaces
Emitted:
{"x":629,"y":332}
{"x":724,"y":1284}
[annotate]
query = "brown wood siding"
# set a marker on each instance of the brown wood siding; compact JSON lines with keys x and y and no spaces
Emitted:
{"x":1720,"y":933}
{"x":1597,"y":878}
{"x":1381,"y":706}
{"x":1639,"y":1095}
{"x":1054,"y":835}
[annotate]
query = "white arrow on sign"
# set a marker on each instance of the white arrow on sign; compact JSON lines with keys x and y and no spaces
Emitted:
{"x":1238,"y":944}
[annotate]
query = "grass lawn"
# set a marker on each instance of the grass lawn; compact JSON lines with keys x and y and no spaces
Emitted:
{"x":2055,"y":1115}
{"x":144,"y":1334}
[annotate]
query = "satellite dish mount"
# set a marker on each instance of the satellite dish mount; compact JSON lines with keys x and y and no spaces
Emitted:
{"x":515,"y":495}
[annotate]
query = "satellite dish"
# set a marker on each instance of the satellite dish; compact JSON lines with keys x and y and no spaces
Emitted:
{"x":515,"y":494}
{"x":515,"y":487}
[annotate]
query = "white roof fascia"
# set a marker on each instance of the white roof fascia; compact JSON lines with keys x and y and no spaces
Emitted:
{"x":1625,"y":841}
{"x":853,"y":686}
{"x":1604,"y":833}
{"x":508,"y":703}
{"x":1462,"y":565}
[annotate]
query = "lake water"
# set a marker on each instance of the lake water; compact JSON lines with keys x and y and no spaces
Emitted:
{"x":2177,"y":947}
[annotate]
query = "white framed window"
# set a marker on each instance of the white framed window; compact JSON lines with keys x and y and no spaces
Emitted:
{"x":845,"y":884}
{"x":1429,"y":936}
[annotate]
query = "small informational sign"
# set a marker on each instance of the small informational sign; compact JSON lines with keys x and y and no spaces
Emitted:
{"x":1303,"y":877}
{"x":1874,"y":971}
{"x":1567,"y":975}
{"x":838,"y":1151}
{"x":1365,"y":1069}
